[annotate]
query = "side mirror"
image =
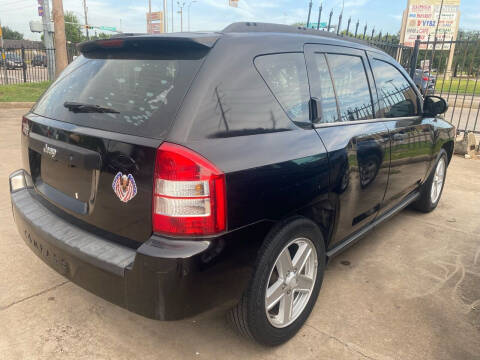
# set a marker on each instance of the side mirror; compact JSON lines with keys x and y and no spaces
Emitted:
{"x":434,"y":105}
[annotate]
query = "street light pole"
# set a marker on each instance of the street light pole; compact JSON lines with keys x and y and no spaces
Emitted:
{"x":149,"y":21}
{"x":165,"y":28}
{"x":181,"y":14}
{"x":188,"y":12}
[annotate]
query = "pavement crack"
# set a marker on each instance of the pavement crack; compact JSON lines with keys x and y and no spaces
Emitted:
{"x":347,"y":345}
{"x":32,"y":296}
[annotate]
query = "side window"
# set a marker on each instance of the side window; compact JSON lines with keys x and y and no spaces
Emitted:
{"x":351,"y":87}
{"x":396,"y":96}
{"x":286,"y":76}
{"x":322,"y":86}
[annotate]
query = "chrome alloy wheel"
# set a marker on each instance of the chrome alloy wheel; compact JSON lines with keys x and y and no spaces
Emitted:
{"x":291,"y":282}
{"x":438,"y":179}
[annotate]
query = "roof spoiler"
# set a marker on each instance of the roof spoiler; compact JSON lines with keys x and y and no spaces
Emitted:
{"x":194,"y":46}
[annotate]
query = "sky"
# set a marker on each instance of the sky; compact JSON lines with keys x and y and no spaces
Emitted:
{"x":129,"y":15}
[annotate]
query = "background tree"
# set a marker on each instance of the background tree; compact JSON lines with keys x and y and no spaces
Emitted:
{"x":9,"y":34}
{"x":73,"y":29}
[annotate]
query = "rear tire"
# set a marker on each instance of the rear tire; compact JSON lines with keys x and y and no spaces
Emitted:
{"x":431,"y":190}
{"x":285,"y":284}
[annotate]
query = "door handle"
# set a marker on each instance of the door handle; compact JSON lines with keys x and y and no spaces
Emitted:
{"x":315,"y":110}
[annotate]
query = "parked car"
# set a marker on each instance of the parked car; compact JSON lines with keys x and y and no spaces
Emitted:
{"x":13,"y":61}
{"x":39,"y":60}
{"x":424,"y":81}
{"x":167,"y":177}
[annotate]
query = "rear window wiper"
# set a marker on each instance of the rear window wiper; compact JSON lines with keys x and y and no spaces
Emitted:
{"x":77,"y":107}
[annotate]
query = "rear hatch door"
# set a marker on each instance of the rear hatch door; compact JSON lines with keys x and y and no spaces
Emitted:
{"x":90,"y":142}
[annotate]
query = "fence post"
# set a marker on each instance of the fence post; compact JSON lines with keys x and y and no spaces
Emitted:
{"x":24,"y":65}
{"x":356,"y":27}
{"x":319,"y":16}
{"x":329,"y":20}
{"x":348,"y":26}
{"x":413,"y":62}
{"x":339,"y":23}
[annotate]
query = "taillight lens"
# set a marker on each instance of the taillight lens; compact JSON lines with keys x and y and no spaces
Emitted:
{"x":425,"y":78}
{"x":25,"y":126}
{"x":189,"y":193}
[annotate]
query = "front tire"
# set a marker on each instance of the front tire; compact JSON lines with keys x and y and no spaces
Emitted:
{"x":285,"y":284}
{"x":431,"y":190}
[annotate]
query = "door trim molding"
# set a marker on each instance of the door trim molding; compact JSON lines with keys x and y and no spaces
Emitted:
{"x":352,"y":239}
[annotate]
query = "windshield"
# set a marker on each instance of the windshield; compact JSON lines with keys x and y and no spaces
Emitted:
{"x":145,"y":94}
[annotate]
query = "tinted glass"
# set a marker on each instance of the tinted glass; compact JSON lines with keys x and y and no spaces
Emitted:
{"x":351,"y":86}
{"x":322,"y":87}
{"x":396,"y":96}
{"x":145,"y":93}
{"x":286,"y":76}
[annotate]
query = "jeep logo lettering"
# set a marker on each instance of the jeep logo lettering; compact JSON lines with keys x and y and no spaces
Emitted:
{"x":50,"y":151}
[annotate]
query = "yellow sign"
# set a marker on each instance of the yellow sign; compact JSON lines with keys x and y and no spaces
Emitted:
{"x":3,"y":56}
{"x":0,"y":31}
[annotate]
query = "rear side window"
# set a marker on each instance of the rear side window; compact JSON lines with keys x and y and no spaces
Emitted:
{"x":351,"y":86}
{"x":396,"y":96}
{"x":286,"y":76}
{"x":145,"y":94}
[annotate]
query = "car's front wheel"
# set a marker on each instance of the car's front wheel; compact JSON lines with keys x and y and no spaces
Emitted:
{"x":285,"y":284}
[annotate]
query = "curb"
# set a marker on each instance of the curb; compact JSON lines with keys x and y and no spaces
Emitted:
{"x":16,"y":105}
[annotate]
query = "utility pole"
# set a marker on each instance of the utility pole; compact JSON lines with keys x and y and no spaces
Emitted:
{"x":61,"y":61}
{"x":48,"y":40}
{"x":181,"y":14}
{"x":85,"y":10}
{"x":3,"y":55}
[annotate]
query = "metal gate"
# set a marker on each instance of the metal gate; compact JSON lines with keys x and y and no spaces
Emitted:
{"x":449,"y":69}
{"x":30,"y":64}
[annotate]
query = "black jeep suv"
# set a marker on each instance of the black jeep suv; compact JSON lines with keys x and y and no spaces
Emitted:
{"x":172,"y":173}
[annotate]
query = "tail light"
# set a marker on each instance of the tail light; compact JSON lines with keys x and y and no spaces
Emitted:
{"x":189,"y":193}
{"x":425,"y":78}
{"x":25,"y":126}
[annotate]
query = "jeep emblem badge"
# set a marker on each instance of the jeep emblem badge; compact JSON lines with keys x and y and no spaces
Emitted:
{"x":51,"y":151}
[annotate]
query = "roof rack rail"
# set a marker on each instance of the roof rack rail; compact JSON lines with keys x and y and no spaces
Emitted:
{"x":243,"y":27}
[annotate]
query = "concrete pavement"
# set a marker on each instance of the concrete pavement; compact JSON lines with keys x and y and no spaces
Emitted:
{"x":409,"y":290}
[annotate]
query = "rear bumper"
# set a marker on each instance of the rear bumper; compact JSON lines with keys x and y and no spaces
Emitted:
{"x":162,"y":279}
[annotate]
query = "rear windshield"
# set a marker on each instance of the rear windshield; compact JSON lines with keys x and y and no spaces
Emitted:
{"x":145,"y":94}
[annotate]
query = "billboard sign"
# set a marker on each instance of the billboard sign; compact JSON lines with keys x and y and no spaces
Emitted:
{"x":423,"y":20}
{"x":155,"y":22}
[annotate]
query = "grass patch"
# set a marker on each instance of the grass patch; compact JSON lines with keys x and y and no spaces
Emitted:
{"x":457,"y":84}
{"x":22,"y":92}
